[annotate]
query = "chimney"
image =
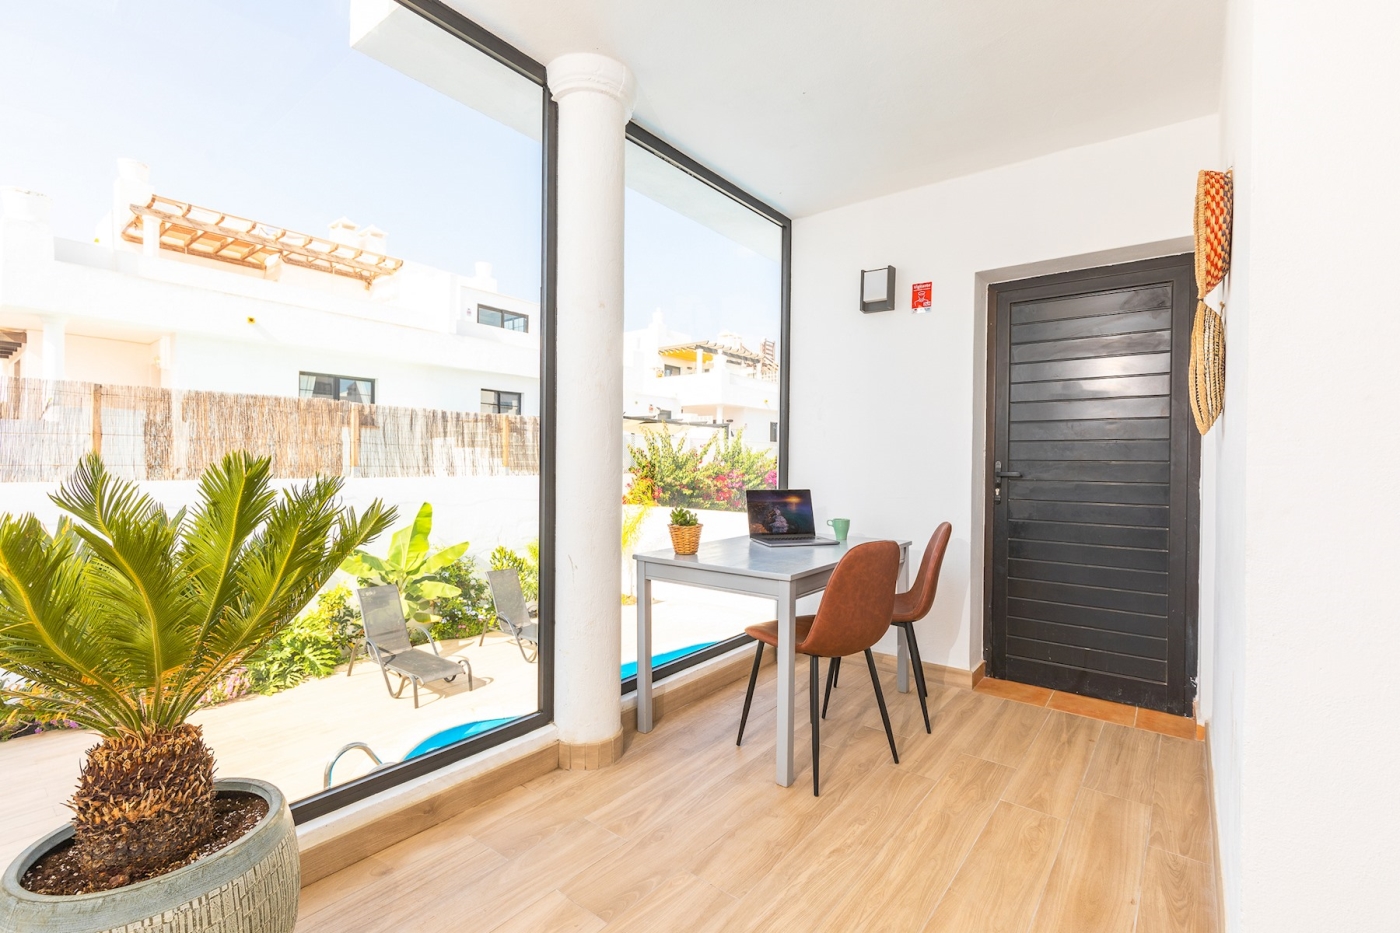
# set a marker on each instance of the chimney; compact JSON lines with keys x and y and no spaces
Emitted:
{"x":133,"y":186}
{"x":483,"y":278}
{"x":344,"y":232}
{"x":374,"y":240}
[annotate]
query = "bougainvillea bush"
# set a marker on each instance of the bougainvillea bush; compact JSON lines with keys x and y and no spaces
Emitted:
{"x":670,"y":471}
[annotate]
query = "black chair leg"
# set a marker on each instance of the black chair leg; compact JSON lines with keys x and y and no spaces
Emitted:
{"x":831,"y":671}
{"x":816,"y":729}
{"x":918,"y":673}
{"x":748,"y":697}
{"x":880,"y":698}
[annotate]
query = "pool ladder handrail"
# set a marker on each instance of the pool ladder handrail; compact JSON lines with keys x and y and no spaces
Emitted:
{"x":335,"y":759}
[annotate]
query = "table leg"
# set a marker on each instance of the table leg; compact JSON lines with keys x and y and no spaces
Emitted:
{"x":787,"y":660}
{"x":902,"y":662}
{"x":644,"y":715}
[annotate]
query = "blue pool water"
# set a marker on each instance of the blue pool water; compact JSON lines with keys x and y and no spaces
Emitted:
{"x":630,"y":668}
{"x":467,"y":730}
{"x":455,"y":734}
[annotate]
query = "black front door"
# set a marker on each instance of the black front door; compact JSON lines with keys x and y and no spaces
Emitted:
{"x":1093,"y":481}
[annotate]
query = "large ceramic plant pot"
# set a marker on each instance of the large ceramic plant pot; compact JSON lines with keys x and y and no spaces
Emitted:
{"x":251,"y":886}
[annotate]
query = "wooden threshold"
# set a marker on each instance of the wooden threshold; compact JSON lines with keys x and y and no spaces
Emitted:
{"x":1148,"y":720}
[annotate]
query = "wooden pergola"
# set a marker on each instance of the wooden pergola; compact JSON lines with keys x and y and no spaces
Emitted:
{"x":201,"y":231}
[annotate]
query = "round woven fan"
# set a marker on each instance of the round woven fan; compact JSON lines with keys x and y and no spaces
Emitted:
{"x":1205,"y":377}
{"x":1215,"y":196}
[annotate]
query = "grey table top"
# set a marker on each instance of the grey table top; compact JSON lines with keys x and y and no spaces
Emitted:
{"x":742,"y":556}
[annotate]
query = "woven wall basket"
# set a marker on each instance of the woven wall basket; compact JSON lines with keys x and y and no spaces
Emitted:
{"x":1205,"y":376}
{"x":1215,"y":197}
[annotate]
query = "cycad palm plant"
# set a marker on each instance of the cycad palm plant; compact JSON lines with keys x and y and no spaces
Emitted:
{"x":126,"y":615}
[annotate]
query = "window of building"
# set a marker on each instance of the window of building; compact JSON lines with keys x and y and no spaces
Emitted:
{"x":337,"y":388}
{"x":496,"y":402}
{"x":670,"y":370}
{"x":507,"y":320}
{"x":664,"y":414}
{"x":772,"y":432}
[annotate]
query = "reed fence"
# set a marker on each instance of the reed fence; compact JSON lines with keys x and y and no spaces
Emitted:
{"x":147,"y":433}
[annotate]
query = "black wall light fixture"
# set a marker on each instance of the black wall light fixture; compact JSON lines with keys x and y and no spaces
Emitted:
{"x":877,"y":290}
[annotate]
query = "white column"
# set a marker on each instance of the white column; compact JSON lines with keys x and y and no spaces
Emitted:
{"x":54,"y":353}
{"x":595,"y":96}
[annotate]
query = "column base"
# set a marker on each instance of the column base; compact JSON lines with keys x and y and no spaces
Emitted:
{"x":590,"y":756}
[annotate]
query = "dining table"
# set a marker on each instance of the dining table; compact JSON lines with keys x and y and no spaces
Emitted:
{"x":741,"y":565}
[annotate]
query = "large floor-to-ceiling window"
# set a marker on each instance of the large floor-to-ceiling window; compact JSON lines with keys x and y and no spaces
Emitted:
{"x":703,"y":382}
{"x":315,"y":232}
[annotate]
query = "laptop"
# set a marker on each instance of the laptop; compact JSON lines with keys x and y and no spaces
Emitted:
{"x":783,"y":518}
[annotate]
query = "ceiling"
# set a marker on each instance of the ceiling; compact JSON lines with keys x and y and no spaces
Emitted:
{"x":819,"y":103}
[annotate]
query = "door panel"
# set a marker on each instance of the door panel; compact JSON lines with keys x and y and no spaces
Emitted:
{"x":1092,"y":537}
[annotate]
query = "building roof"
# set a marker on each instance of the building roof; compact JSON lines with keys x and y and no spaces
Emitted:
{"x":202,"y":231}
{"x":713,"y":349}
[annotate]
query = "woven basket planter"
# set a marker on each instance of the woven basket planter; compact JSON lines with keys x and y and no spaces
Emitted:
{"x":251,"y":886}
{"x":685,"y":539}
{"x":1215,"y":201}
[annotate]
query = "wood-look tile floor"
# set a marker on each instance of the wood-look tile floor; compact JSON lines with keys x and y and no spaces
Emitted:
{"x":1009,"y":817}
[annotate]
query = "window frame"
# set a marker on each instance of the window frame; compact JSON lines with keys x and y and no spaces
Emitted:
{"x":393,"y":775}
{"x":506,"y":318}
{"x":338,"y":377}
{"x":519,"y":402}
{"x":678,"y":159}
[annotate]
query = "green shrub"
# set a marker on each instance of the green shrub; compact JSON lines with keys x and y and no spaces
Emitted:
{"x":468,"y":613}
{"x":503,"y":558}
{"x":310,"y":647}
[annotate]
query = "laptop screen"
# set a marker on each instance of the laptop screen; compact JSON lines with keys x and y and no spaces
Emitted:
{"x":784,"y":512}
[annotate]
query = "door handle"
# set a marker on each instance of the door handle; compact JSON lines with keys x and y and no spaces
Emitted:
{"x":998,"y":474}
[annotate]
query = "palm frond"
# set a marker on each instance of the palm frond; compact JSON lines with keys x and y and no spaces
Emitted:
{"x":123,"y":617}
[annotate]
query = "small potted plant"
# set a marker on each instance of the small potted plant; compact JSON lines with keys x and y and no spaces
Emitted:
{"x":121,"y":621}
{"x":685,"y":531}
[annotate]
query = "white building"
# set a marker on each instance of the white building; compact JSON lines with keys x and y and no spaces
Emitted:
{"x":179,"y":296}
{"x":678,"y":380}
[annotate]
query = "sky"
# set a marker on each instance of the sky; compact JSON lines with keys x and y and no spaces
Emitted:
{"x":262,"y":109}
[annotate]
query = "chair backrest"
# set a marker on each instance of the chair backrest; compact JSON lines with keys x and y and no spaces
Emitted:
{"x":508,"y":597}
{"x":382,"y":615}
{"x":914,"y":604}
{"x":859,"y":599}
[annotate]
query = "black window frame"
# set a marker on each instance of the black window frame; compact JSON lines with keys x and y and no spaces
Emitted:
{"x":496,"y":405}
{"x":337,"y":378}
{"x":507,"y":317}
{"x":469,"y":32}
{"x":668,"y":153}
{"x":390,"y":776}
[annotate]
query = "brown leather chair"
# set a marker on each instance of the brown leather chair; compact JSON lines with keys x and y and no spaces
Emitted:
{"x":854,"y":614}
{"x":909,"y":607}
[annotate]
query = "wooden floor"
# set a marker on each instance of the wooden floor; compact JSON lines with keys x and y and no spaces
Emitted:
{"x":1010,"y":817}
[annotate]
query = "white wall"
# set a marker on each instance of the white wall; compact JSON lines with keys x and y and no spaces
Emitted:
{"x":114,"y":362}
{"x":222,"y":366}
{"x":1304,"y":465}
{"x":485,"y":510}
{"x":887,"y":409}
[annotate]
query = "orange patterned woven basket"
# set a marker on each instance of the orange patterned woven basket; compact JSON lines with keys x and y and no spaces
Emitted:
{"x":1215,"y":201}
{"x":1215,"y":205}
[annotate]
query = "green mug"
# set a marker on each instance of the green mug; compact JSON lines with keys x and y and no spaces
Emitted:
{"x":840,"y":527}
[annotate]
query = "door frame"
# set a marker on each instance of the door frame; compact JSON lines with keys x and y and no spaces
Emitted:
{"x":1188,"y":538}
